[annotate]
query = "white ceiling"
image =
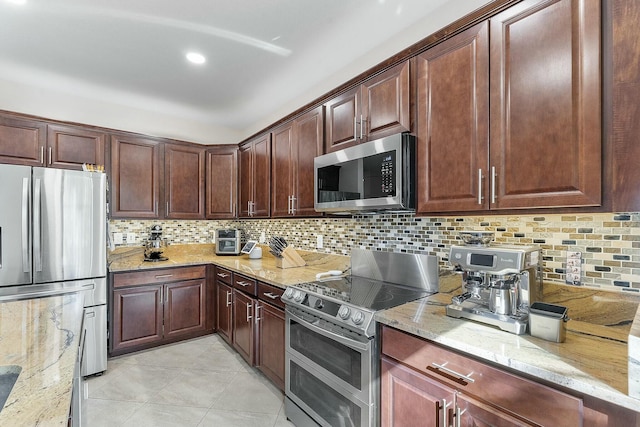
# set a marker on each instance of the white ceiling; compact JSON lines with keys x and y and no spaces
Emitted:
{"x":121,"y":64}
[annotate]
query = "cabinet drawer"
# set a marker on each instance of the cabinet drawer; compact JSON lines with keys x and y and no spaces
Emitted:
{"x":507,"y":391}
{"x":224,"y":275}
{"x":245,"y":284}
{"x":270,"y":294}
{"x":158,"y":276}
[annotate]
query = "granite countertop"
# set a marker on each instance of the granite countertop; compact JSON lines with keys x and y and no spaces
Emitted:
{"x":593,"y":359}
{"x":42,"y":337}
{"x":263,"y":269}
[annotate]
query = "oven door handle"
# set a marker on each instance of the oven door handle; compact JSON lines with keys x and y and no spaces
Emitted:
{"x":337,"y":337}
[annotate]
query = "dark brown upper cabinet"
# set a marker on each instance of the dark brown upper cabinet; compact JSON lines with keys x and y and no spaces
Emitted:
{"x":34,"y":143}
{"x":294,"y":146}
{"x":376,"y":108}
{"x":136,"y":173}
{"x":184,"y":175}
{"x":509,"y":112}
{"x":221,"y":182}
{"x":255,"y":177}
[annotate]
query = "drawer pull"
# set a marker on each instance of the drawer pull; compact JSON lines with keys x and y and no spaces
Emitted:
{"x":459,"y":376}
{"x":272,"y":296}
{"x":223,"y":275}
{"x":245,"y":284}
{"x":163,"y":276}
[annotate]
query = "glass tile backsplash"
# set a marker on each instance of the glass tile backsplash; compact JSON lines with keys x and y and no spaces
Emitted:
{"x":609,"y":243}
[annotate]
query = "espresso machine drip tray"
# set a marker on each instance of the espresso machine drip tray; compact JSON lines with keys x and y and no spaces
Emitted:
{"x":516,"y":324}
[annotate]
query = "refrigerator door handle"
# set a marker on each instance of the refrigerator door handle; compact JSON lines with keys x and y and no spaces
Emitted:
{"x":36,"y":226}
{"x":25,"y":225}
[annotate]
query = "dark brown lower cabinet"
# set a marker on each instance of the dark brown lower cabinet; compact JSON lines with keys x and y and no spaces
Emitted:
{"x":224,"y":309}
{"x":243,"y":325}
{"x":155,"y":307}
{"x":270,"y":346}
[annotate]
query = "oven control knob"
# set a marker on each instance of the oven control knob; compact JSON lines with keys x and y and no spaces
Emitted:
{"x":358,"y":317}
{"x":288,"y":293}
{"x":344,"y":312}
{"x":298,"y":296}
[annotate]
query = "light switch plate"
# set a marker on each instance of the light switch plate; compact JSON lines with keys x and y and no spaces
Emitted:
{"x":131,"y":237}
{"x":118,"y":238}
{"x":319,"y":241}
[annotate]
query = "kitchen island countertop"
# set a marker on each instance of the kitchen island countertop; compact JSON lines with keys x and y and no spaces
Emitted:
{"x":41,"y":336}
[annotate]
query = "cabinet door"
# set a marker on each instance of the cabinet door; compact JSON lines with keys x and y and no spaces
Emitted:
{"x":22,"y":141}
{"x":137,"y":317}
{"x":407,"y":396}
{"x":135,"y":177}
{"x":184,"y":308}
{"x":255,"y":174}
{"x":385,"y":103}
{"x":309,"y":136}
{"x":224,"y":306}
{"x":270,"y":342}
{"x":545,"y":104}
{"x":71,"y":146}
{"x":453,"y":123}
{"x":343,"y":113}
{"x":474,"y":413}
{"x":243,"y":330}
{"x":222,"y":180}
{"x":184,"y":181}
{"x":282,"y":166}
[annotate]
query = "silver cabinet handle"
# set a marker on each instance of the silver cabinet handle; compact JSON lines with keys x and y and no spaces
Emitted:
{"x":248,"y":207}
{"x":443,"y":412}
{"x":361,"y":123}
{"x":42,"y":155}
{"x":443,"y":367}
{"x":243,"y":284}
{"x":355,"y":127}
{"x":37,"y":235}
{"x":258,"y":318}
{"x":163,"y":276}
{"x":25,"y":226}
{"x":493,"y":184}
{"x":162,"y":295}
{"x":480,"y":186}
{"x":223,"y":275}
{"x":228,"y":298}
{"x":50,"y":155}
{"x":458,"y":415}
{"x":166,"y":212}
{"x":249,"y":306}
{"x":293,"y":205}
{"x":272,"y":296}
{"x":289,"y":204}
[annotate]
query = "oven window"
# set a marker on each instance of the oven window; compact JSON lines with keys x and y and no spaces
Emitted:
{"x":342,"y":361}
{"x":333,"y":407}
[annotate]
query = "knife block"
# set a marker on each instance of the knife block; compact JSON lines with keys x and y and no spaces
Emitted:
{"x":290,"y":258}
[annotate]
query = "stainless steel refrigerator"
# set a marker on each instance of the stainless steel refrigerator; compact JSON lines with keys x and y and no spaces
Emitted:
{"x":53,"y":241}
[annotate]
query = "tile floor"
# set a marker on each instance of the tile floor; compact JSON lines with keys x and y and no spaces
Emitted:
{"x":201,"y":382}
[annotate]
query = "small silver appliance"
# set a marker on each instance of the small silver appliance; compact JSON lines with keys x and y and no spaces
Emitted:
{"x":228,"y":241}
{"x":155,"y":245}
{"x":499,"y":282}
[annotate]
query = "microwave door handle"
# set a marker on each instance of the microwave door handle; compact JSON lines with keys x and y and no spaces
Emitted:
{"x":25,"y":226}
{"x":339,"y":338}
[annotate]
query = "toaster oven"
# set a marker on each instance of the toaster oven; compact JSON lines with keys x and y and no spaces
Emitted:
{"x":228,"y":241}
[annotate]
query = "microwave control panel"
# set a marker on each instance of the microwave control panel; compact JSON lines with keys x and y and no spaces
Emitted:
{"x":387,"y":175}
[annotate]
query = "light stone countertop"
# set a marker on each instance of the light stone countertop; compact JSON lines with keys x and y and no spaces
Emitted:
{"x":593,"y":359}
{"x":263,"y":269}
{"x":42,"y":336}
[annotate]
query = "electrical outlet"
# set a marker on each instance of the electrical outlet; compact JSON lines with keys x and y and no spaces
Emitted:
{"x":118,"y":238}
{"x":131,"y":237}
{"x":263,"y":237}
{"x":319,"y":241}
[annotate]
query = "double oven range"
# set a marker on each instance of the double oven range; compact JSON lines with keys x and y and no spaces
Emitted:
{"x":332,"y":339}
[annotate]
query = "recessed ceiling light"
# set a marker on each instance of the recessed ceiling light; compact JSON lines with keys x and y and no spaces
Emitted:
{"x":196,"y":58}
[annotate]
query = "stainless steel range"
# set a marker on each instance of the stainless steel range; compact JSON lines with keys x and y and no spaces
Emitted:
{"x":332,"y":340}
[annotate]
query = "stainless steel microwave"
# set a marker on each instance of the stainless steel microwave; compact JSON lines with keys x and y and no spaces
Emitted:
{"x":372,"y":176}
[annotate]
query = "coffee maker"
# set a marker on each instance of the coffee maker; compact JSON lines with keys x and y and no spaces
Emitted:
{"x":155,"y":245}
{"x":499,"y":282}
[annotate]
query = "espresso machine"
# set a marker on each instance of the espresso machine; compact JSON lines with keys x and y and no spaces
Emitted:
{"x":499,"y":282}
{"x":155,"y":245}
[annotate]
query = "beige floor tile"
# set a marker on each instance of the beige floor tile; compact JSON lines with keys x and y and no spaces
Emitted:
{"x":194,"y":388}
{"x":134,"y":383}
{"x":108,"y":413}
{"x":220,"y":418}
{"x":250,"y":392}
{"x":150,"y":415}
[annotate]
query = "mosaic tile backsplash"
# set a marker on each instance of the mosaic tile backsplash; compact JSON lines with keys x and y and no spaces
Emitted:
{"x":609,"y":243}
